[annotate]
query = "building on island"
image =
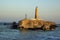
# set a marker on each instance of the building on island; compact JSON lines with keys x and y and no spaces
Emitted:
{"x":36,"y":23}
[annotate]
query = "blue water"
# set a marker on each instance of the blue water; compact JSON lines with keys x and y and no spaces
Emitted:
{"x":14,"y":34}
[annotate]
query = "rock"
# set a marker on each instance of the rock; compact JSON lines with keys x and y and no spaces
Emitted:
{"x":36,"y":24}
{"x":14,"y":25}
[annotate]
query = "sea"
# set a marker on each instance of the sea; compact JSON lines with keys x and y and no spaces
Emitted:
{"x":6,"y":33}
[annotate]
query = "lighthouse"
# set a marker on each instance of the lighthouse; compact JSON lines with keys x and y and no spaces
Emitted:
{"x":36,"y":12}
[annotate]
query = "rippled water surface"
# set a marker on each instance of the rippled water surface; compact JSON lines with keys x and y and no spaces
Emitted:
{"x":14,"y":34}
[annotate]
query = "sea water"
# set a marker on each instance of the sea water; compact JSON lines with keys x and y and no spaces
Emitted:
{"x":6,"y":33}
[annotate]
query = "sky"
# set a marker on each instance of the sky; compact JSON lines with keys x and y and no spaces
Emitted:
{"x":15,"y":10}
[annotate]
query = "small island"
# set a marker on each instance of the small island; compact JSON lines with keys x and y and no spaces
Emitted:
{"x":36,"y":23}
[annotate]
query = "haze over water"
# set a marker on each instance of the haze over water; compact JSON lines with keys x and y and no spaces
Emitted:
{"x":15,"y":10}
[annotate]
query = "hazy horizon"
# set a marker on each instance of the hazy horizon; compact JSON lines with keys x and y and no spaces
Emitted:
{"x":15,"y":10}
